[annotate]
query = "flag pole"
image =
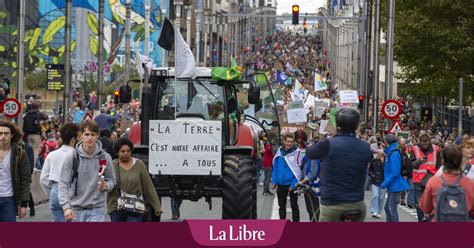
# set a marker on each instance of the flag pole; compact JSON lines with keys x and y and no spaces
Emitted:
{"x":176,"y":29}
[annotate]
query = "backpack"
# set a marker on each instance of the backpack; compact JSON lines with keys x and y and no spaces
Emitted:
{"x":31,"y":124}
{"x":451,"y":205}
{"x":404,"y":168}
{"x":75,"y":167}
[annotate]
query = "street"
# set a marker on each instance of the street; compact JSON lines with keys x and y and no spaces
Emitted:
{"x":267,"y":209}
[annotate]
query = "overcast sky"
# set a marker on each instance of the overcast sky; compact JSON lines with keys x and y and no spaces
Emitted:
{"x":306,"y":6}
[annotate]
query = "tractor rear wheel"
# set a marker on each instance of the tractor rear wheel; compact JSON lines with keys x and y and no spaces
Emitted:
{"x":239,"y":190}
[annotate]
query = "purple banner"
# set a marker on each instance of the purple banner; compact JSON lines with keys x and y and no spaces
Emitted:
{"x":197,"y":234}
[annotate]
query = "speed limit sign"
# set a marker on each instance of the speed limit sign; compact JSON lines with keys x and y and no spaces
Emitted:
{"x":391,"y":109}
{"x":11,"y":107}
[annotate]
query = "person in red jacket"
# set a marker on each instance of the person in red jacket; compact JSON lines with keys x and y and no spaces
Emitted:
{"x":452,"y":170}
{"x":267,"y":165}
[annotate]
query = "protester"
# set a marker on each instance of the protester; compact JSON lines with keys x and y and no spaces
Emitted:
{"x":104,"y":120}
{"x":31,"y":162}
{"x":425,"y":163}
{"x":53,"y":165}
{"x":452,"y":175}
{"x":267,"y":165}
{"x":345,"y":160}
{"x":311,"y":169}
{"x":393,"y":180}
{"x":84,"y":200}
{"x":15,"y":174}
{"x":31,"y":126}
{"x":107,"y":143}
{"x":285,"y":175}
{"x":133,"y":180}
{"x":407,"y":171}
{"x":376,"y":175}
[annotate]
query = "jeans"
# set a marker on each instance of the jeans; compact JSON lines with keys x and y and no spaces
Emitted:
{"x":267,"y":171}
{"x":391,"y":206}
{"x":122,"y":216}
{"x":8,"y":209}
{"x":282,"y":194}
{"x":34,"y":140}
{"x":90,"y":215}
{"x":175,"y":205}
{"x":312,"y":206}
{"x":418,"y":193}
{"x":378,"y":198}
{"x":57,"y":213}
{"x":411,"y":192}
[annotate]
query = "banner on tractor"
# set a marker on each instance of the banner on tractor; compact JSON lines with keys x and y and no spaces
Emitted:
{"x":185,"y":147}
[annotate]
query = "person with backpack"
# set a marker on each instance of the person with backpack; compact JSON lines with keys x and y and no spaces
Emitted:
{"x":51,"y":172}
{"x":375,"y":173}
{"x":406,"y":171}
{"x":393,"y":180}
{"x":86,"y":178}
{"x":32,"y":127}
{"x":29,"y":152}
{"x":15,"y":174}
{"x":5,"y":84}
{"x":47,"y":146}
{"x":450,"y":196}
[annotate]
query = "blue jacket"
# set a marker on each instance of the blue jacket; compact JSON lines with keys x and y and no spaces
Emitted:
{"x":282,"y":174}
{"x":105,"y":121}
{"x":393,"y":182}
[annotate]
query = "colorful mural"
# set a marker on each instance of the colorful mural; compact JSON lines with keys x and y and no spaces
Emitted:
{"x":45,"y":35}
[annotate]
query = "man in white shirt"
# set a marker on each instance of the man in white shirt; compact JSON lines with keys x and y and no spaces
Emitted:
{"x":53,"y":165}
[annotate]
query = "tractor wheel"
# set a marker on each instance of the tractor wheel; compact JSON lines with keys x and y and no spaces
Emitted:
{"x":239,"y":186}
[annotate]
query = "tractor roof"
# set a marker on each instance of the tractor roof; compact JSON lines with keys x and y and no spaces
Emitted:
{"x":201,"y":72}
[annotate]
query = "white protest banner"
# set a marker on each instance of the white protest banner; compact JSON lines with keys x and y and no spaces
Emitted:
{"x":318,"y":111}
{"x":296,"y":115}
{"x":319,"y":84}
{"x":349,"y":96}
{"x":185,"y":147}
{"x":309,"y":102}
{"x":322,"y":127}
{"x":322,"y":103}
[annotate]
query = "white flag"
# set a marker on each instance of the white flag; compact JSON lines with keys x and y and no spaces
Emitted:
{"x":139,"y":62}
{"x":185,"y":63}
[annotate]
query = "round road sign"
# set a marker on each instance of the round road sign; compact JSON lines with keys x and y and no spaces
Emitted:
{"x":391,"y":109}
{"x":11,"y":107}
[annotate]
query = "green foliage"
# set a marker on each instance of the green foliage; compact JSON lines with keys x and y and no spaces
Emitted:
{"x":35,"y":80}
{"x":434,"y":45}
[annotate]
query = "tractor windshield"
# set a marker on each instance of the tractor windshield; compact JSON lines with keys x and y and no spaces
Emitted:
{"x":201,"y":98}
{"x":265,"y":112}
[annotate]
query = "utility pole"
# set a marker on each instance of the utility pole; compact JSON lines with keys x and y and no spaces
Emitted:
{"x":361,"y":60}
{"x":163,"y":51}
{"x":21,"y":57}
{"x":147,"y":39}
{"x":389,"y":49}
{"x":460,"y":104}
{"x":128,"y":10}
{"x":368,"y":26}
{"x":198,"y":30}
{"x":375,"y":98}
{"x":67,"y":96}
{"x":100,"y":72}
{"x":128,"y":7}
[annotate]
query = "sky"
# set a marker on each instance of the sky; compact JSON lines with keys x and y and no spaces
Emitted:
{"x":309,"y":6}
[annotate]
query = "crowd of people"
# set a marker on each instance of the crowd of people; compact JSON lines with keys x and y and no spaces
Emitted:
{"x":88,"y":171}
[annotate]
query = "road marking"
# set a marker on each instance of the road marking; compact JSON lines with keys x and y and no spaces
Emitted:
{"x":275,"y":208}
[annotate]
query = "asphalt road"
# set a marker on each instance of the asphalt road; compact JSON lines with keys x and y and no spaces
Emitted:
{"x":267,"y":209}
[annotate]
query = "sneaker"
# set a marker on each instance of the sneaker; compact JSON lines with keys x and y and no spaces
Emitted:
{"x":410,"y":206}
{"x":260,"y":184}
{"x":378,"y":216}
{"x":403,"y":203}
{"x":175,"y":217}
{"x":374,"y":215}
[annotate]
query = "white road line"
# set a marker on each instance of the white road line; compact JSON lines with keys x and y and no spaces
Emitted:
{"x":275,"y":214}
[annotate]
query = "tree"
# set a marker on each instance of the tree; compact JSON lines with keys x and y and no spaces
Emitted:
{"x":434,"y":45}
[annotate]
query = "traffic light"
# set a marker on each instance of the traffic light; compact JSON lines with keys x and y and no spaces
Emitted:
{"x":305,"y":26}
{"x":116,"y":96}
{"x":296,"y":14}
{"x":125,"y":94}
{"x":361,"y":101}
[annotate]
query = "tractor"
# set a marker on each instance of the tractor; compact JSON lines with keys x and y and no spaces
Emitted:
{"x":197,"y":140}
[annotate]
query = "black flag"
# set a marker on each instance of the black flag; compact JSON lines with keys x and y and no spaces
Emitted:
{"x":166,"y":40}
